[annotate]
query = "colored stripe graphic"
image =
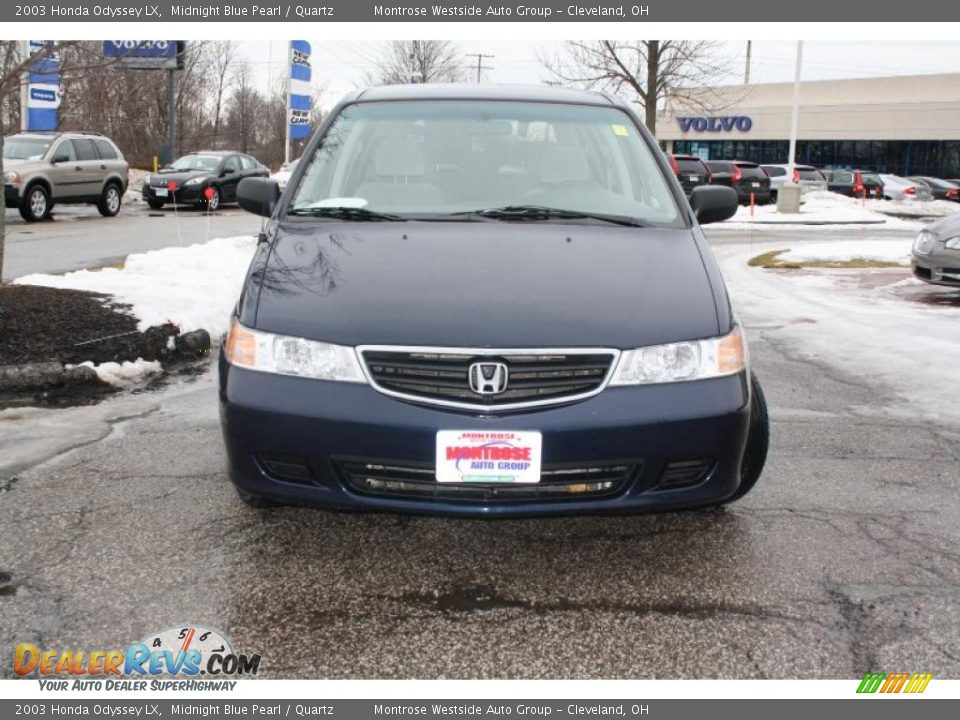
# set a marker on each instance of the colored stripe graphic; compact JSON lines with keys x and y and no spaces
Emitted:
{"x":894,"y":683}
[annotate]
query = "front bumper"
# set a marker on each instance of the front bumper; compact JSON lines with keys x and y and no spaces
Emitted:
{"x":941,"y":267}
{"x":185,"y":194}
{"x":326,"y":428}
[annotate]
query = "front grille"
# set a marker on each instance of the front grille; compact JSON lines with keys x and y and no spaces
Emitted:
{"x":403,"y":479}
{"x":533,"y":377}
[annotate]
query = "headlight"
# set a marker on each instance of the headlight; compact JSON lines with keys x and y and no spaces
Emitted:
{"x":11,"y":178}
{"x":196,"y":180}
{"x":682,"y":361}
{"x":286,"y":355}
{"x":924,"y":243}
{"x":953,"y":243}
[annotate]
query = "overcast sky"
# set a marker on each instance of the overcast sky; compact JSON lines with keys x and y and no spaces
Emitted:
{"x":341,"y":66}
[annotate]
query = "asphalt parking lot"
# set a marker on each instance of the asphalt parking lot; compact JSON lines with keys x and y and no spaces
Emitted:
{"x":844,"y":559}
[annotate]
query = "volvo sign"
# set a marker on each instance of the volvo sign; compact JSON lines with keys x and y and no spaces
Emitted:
{"x":715,"y":123}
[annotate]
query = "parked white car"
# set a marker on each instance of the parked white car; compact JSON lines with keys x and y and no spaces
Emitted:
{"x":806,"y":176}
{"x":899,"y":188}
{"x":282,"y":176}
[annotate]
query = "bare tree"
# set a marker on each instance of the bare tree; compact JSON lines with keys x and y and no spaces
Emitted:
{"x":648,"y":70}
{"x":221,"y":57}
{"x":420,"y":61}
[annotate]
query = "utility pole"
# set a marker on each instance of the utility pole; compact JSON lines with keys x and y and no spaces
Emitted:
{"x":746,"y":71}
{"x":480,"y":66}
{"x":788,"y":196}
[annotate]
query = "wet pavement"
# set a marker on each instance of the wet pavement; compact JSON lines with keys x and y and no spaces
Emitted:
{"x":844,"y":559}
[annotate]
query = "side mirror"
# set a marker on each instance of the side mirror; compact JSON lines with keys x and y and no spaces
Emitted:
{"x":714,"y":203}
{"x":60,"y":159}
{"x":258,"y":195}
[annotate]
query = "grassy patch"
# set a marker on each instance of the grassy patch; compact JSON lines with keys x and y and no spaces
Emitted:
{"x":771,"y":260}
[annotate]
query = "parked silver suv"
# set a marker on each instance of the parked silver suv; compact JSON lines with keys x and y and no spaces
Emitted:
{"x":41,"y":169}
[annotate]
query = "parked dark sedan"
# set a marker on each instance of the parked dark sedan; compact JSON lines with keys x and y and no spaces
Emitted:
{"x":746,"y":177}
{"x":206,"y":179}
{"x":940,"y":189}
{"x":691,"y":171}
{"x":855,"y":183}
{"x":429,"y":325}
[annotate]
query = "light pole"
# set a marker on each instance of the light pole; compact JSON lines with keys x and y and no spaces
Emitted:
{"x":788,"y":196}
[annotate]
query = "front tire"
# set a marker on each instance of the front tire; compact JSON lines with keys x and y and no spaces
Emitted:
{"x":35,"y":205}
{"x":758,"y":442}
{"x":110,"y":201}
{"x":212,"y":204}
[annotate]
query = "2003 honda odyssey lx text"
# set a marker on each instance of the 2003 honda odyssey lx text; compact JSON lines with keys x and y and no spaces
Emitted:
{"x":487,"y":301}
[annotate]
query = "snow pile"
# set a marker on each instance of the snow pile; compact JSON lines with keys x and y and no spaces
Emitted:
{"x":192,"y":287}
{"x":819,"y":208}
{"x":134,"y":183}
{"x":126,"y":373}
{"x":925,"y":209}
{"x":892,"y":251}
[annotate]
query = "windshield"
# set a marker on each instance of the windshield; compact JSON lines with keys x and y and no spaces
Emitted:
{"x":444,"y":157}
{"x":206,"y":163}
{"x":24,"y":148}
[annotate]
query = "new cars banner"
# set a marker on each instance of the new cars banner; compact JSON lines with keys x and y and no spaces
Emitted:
{"x":300,"y":93}
{"x":43,"y":87}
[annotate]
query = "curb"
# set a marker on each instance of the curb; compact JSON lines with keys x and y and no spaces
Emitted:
{"x":42,"y":375}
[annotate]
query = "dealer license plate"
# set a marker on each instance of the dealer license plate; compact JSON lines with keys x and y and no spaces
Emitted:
{"x":693,"y":178}
{"x":480,"y":456}
{"x":756,"y":184}
{"x":162,"y":192}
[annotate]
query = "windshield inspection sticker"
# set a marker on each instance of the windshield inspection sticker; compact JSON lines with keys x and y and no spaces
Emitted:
{"x":620,"y":130}
{"x":465,"y":456}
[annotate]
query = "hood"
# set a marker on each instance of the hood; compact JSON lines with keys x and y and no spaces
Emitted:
{"x":483,"y":284}
{"x":10,"y":163}
{"x":947,"y":227}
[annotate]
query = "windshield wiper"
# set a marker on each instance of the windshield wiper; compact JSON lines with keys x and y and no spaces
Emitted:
{"x":541,"y":212}
{"x":346,"y":213}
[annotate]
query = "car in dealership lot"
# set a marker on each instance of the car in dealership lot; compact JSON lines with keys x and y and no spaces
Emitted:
{"x":807,"y":177}
{"x":690,"y":170}
{"x":282,"y":176}
{"x":746,"y":177}
{"x":941,"y":189}
{"x":936,"y":253}
{"x":487,"y":301}
{"x":855,"y":183}
{"x":45,"y":168}
{"x":899,"y":188}
{"x":206,"y":179}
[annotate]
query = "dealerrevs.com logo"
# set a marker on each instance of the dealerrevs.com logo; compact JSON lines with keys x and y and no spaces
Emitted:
{"x":188,"y":657}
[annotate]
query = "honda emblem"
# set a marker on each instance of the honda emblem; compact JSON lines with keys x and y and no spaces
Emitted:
{"x":488,"y":378}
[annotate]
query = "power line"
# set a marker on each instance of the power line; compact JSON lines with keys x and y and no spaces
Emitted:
{"x":480,"y":66}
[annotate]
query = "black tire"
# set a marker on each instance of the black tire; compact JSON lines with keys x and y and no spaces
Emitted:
{"x":758,"y":442}
{"x":155,"y":204}
{"x":35,"y":205}
{"x":213,"y":204}
{"x":254,"y":501}
{"x":110,"y":200}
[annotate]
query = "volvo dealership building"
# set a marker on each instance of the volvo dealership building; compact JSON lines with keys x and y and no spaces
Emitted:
{"x":906,"y":125}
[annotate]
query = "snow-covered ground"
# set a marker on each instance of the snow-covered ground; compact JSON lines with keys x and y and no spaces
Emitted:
{"x":893,"y":250}
{"x":838,"y":318}
{"x":827,"y":208}
{"x":126,"y":373}
{"x":135,"y":182}
{"x":192,"y":287}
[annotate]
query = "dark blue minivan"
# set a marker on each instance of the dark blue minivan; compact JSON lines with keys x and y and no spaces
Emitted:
{"x":487,"y":301}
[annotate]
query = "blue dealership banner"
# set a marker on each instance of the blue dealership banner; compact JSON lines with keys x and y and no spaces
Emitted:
{"x":43,"y":87}
{"x":300,"y":94}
